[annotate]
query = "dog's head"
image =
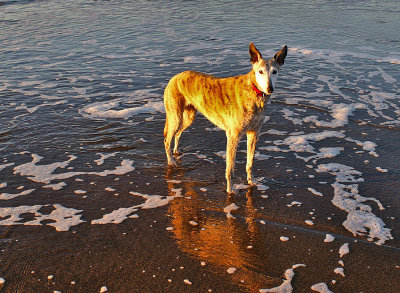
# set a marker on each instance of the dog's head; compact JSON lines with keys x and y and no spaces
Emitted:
{"x":266,"y":71}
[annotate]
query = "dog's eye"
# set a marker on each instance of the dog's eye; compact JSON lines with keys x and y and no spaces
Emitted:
{"x":274,"y":71}
{"x":260,"y":72}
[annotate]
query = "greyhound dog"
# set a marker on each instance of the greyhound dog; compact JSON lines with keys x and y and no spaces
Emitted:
{"x":234,"y":104}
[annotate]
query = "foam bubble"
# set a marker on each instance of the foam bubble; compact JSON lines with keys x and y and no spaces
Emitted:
{"x":231,"y":270}
{"x":286,"y":286}
{"x":313,"y":191}
{"x":228,"y":209}
{"x":344,"y":249}
{"x":321,"y":288}
{"x":329,"y":238}
{"x":339,"y":271}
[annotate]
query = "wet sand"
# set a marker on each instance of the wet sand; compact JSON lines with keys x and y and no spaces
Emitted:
{"x":191,"y":244}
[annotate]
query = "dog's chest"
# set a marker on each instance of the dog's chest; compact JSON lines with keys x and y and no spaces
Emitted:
{"x":254,"y":115}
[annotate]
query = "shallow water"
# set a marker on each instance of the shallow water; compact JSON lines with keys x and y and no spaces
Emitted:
{"x":81,"y":111}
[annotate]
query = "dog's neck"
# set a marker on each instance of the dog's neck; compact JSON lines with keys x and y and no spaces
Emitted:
{"x":258,"y":92}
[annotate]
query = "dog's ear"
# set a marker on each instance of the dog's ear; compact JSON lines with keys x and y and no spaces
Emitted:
{"x":255,"y":55}
{"x":281,"y":55}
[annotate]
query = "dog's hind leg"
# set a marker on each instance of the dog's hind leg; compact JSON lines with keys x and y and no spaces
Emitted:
{"x":189,"y":114}
{"x":252,"y":137}
{"x":174,"y":104}
{"x":231,"y":147}
{"x":170,"y":129}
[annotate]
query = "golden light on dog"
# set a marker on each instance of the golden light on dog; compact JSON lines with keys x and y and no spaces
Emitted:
{"x":234,"y":104}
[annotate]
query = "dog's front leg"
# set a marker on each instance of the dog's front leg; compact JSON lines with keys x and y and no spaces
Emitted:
{"x":231,"y":146}
{"x":252,"y":137}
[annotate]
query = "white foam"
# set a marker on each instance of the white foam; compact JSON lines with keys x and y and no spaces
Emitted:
{"x":329,"y":238}
{"x":103,"y":157}
{"x":342,"y":172}
{"x":368,"y":146}
{"x":284,"y":238}
{"x":346,"y":197}
{"x":321,"y":288}
{"x":313,"y":191}
{"x":340,"y":114}
{"x":63,"y":217}
{"x":240,"y":186}
{"x":301,"y":142}
{"x":173,"y":181}
{"x":151,"y":202}
{"x":78,"y":191}
{"x":339,"y":271}
{"x":56,"y":186}
{"x":103,"y":289}
{"x":231,"y":270}
{"x":344,"y":249}
{"x":295,"y":203}
{"x":275,"y":132}
{"x":7,"y":196}
{"x":3,"y":166}
{"x":193,"y":223}
{"x":4,"y":184}
{"x":261,"y":187}
{"x":259,"y":156}
{"x":44,"y":173}
{"x":286,"y":286}
{"x":105,"y":109}
{"x":228,"y":209}
{"x":324,"y":153}
{"x":221,"y":154}
{"x":309,"y":222}
{"x":382,"y":170}
{"x":117,"y":216}
{"x":35,"y":108}
{"x":289,"y":115}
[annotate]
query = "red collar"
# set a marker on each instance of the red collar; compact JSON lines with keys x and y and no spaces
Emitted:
{"x":259,"y":93}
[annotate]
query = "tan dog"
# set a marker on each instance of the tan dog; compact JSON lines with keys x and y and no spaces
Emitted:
{"x":235,"y":104}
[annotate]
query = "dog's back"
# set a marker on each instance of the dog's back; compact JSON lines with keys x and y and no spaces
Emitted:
{"x":222,"y":100}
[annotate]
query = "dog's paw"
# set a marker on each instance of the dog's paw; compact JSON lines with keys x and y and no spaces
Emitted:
{"x":251,"y":182}
{"x":230,"y":191}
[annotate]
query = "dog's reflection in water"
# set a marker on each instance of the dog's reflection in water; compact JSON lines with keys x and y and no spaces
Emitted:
{"x":202,"y":230}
